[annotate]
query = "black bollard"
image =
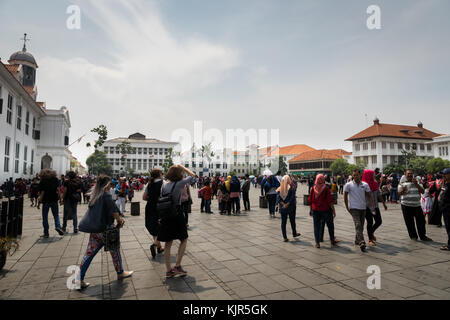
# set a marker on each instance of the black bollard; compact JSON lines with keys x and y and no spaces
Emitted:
{"x":16,"y":217}
{"x":10,"y":225}
{"x":3,"y":219}
{"x":20,"y":218}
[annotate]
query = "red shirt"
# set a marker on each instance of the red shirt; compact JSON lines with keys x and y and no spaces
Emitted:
{"x":206,"y":192}
{"x":323,"y":202}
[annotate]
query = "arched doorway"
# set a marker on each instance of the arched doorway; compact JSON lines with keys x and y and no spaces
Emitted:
{"x":46,"y":162}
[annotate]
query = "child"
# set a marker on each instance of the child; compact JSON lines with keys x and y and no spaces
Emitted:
{"x":206,"y":193}
{"x":427,"y":202}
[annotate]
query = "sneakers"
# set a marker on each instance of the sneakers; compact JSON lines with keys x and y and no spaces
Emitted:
{"x":170,"y":274}
{"x":362,"y":246}
{"x":124,"y":275}
{"x":75,"y":231}
{"x":296,"y":235}
{"x":153,"y":250}
{"x":179,"y":271}
{"x":426,"y":239}
{"x":160,"y":250}
{"x":335,"y":242}
{"x":84,"y":285}
{"x":286,"y":240}
{"x":45,"y":236}
{"x":317,"y":245}
{"x":60,"y":231}
{"x":372,"y":243}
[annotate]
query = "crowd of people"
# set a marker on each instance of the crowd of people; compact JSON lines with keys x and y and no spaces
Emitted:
{"x":364,"y":193}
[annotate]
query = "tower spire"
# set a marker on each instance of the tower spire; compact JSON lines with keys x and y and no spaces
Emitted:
{"x":24,"y":49}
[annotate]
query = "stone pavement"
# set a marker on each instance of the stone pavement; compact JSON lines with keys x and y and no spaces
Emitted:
{"x":235,"y":257}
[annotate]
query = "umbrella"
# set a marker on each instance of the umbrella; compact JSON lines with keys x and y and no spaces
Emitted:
{"x":252,"y":177}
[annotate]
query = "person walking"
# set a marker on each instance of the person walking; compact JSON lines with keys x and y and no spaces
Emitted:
{"x":70,"y":198}
{"x":49,"y":195}
{"x":286,"y":201}
{"x":245,"y":193}
{"x":101,"y":205}
{"x":359,"y":194}
{"x":151,"y":195}
{"x":186,"y":203}
{"x":121,"y":192}
{"x":270,"y":189}
{"x":322,"y":209}
{"x":436,"y":211}
{"x":175,"y":228}
{"x":34,"y":192}
{"x":410,"y":192}
{"x":394,"y":188}
{"x":207,"y":193}
{"x":235,"y":189}
{"x":444,"y":204}
{"x":369,"y":178}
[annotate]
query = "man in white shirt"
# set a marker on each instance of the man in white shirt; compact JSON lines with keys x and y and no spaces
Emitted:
{"x":360,"y":196}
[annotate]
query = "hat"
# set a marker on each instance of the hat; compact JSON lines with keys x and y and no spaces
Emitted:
{"x":446,"y":171}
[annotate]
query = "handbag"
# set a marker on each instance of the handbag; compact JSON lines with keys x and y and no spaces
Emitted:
{"x":94,"y":220}
{"x":111,"y":239}
{"x":165,"y":206}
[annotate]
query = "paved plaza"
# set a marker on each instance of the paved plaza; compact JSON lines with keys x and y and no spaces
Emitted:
{"x":235,"y":257}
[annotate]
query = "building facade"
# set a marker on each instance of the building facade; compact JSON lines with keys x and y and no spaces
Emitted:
{"x":441,"y":146}
{"x":32,"y":137}
{"x":383,"y":144}
{"x":315,"y":162}
{"x":146,"y":155}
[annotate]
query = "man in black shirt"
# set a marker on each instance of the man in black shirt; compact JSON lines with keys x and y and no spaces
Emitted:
{"x":245,"y":192}
{"x":70,"y":197}
{"x":49,"y":196}
{"x":444,"y":203}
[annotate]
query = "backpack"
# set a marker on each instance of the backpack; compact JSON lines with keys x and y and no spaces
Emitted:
{"x":165,"y":206}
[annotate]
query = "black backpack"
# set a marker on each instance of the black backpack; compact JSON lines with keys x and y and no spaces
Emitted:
{"x":166,"y":207}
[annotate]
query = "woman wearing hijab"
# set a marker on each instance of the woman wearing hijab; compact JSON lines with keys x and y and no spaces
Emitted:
{"x":235,"y":189}
{"x":369,"y":178}
{"x":286,"y":202}
{"x":322,"y":209}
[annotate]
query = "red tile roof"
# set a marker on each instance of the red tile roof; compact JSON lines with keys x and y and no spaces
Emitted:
{"x":394,"y":130}
{"x":294,"y":149}
{"x":322,"y":154}
{"x":29,"y":89}
{"x":12,"y":68}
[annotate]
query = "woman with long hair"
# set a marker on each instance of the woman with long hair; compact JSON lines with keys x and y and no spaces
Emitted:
{"x":101,"y":203}
{"x":175,"y":228}
{"x":286,"y":202}
{"x":151,"y":195}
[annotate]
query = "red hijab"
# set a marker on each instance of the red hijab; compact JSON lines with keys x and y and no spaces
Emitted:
{"x":319,"y":186}
{"x":368,"y":177}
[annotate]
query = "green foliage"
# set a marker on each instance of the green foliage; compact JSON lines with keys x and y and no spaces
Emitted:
{"x":394,"y":168}
{"x":102,"y":136}
{"x":98,"y":163}
{"x":279,"y":164}
{"x":125,"y":148}
{"x":169,"y":159}
{"x":436,"y":165}
{"x":360,"y":165}
{"x":339,"y":166}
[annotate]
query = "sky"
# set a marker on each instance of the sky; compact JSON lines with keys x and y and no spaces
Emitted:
{"x":311,"y":69}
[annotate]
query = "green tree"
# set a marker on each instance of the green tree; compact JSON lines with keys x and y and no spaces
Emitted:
{"x":169,"y":159}
{"x":339,"y":166}
{"x":359,"y":165}
{"x":98,"y":163}
{"x":394,"y":168}
{"x":419,"y":164}
{"x":279,"y":164}
{"x":102,"y":136}
{"x":125,"y":148}
{"x":436,"y":165}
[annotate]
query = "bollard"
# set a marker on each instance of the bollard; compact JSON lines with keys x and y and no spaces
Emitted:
{"x":306,"y":199}
{"x":3,"y":219}
{"x":135,"y":209}
{"x":9,"y":223}
{"x":15,"y":222}
{"x":20,"y":218}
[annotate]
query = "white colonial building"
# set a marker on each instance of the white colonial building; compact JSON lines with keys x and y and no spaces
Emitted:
{"x":32,"y":137}
{"x":147,"y":154}
{"x":440,"y":146}
{"x":382,"y":144}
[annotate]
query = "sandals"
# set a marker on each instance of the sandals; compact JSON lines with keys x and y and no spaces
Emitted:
{"x":335,"y":242}
{"x":317,"y":245}
{"x":372,"y":243}
{"x":445,"y":248}
{"x":297,"y":235}
{"x":286,"y":240}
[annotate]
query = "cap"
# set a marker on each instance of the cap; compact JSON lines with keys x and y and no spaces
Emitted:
{"x":446,"y":171}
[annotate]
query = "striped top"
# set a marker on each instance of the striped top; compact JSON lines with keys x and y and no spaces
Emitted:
{"x":412,"y":197}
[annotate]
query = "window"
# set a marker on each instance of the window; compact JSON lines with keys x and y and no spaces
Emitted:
{"x":139,"y":150}
{"x":383,"y":145}
{"x":145,"y":151}
{"x":400,"y":146}
{"x":9,"y":110}
{"x":392,"y":146}
{"x":373,"y":145}
{"x":19,"y":117}
{"x":16,"y":165}
{"x":25,"y":156}
{"x":385,"y":159}
{"x":440,"y":152}
{"x":365,"y":146}
{"x":27,"y":123}
{"x":428,"y":147}
{"x":1,"y":101}
{"x":32,"y":161}
{"x":7,"y":148}
{"x":357,"y":147}
{"x":446,"y":151}
{"x":422,"y":147}
{"x":407,"y":146}
{"x":374,"y":159}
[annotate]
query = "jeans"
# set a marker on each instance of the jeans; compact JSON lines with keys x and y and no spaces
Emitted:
{"x":447,"y":225}
{"x":394,"y":195}
{"x":284,"y":217}
{"x":121,"y":204}
{"x":414,"y":213}
{"x":55,"y":211}
{"x":236,"y":204}
{"x":246,"y":199}
{"x":202,"y":205}
{"x":372,"y":227}
{"x":94,"y":246}
{"x":208,"y":206}
{"x":321,"y":218}
{"x":70,"y":209}
{"x":272,"y":200}
{"x":358,"y":218}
